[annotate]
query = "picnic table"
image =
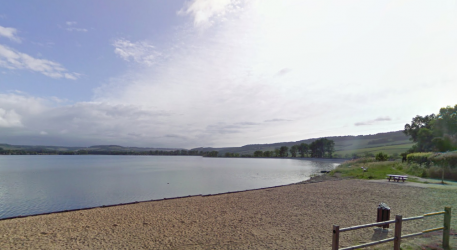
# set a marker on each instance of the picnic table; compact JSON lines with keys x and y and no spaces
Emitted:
{"x":397,"y":178}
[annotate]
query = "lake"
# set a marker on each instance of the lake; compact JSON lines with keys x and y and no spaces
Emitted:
{"x":49,"y":183}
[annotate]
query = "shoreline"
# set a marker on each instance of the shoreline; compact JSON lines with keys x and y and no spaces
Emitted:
{"x":314,"y":179}
{"x":153,"y":200}
{"x":336,"y":160}
{"x":178,"y":197}
{"x":293,"y":216}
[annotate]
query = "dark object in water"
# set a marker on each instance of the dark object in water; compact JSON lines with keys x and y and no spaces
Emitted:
{"x":325,"y":172}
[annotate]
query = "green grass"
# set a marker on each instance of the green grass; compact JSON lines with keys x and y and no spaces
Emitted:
{"x":377,"y":170}
{"x":364,"y":143}
{"x":385,"y":149}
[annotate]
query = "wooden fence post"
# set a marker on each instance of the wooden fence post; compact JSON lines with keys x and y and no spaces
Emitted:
{"x":336,"y":237}
{"x":397,"y":236}
{"x":447,"y":227}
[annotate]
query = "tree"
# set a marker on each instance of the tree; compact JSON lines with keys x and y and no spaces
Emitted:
{"x":293,"y":150}
{"x":381,"y":156}
{"x":276,"y":152}
{"x":446,"y":120}
{"x":417,"y":123}
{"x":320,"y":147}
{"x":315,"y":149}
{"x":267,"y":153}
{"x":329,"y":147}
{"x":303,"y":148}
{"x":211,"y":154}
{"x":443,"y":144}
{"x":425,"y":140}
{"x":445,"y":129}
{"x":434,"y":132}
{"x":258,"y":153}
{"x":283,"y":151}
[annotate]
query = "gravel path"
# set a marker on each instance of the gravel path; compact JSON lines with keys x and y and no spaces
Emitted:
{"x":297,"y":216}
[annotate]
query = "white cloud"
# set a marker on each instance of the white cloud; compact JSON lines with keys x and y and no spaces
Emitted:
{"x":204,"y":12}
{"x":276,"y":120}
{"x":9,"y":118}
{"x":77,"y":29}
{"x":11,"y":59}
{"x":371,"y":122}
{"x":320,"y":67}
{"x":10,"y":33}
{"x":71,"y":27}
{"x":141,"y":52}
{"x":90,"y":122}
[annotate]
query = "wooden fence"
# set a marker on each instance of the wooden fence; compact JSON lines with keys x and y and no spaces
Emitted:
{"x":397,"y":235}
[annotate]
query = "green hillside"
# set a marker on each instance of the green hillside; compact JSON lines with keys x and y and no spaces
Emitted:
{"x":345,"y":146}
{"x":390,"y":143}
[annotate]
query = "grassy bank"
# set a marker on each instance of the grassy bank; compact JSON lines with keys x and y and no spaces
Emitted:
{"x":378,"y":169}
{"x":388,"y":149}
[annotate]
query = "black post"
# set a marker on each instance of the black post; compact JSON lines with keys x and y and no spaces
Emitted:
{"x":383,"y":214}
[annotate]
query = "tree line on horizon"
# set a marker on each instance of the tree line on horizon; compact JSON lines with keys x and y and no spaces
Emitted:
{"x":320,"y":148}
{"x":99,"y":152}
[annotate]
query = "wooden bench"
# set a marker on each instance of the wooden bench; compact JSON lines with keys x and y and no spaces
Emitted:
{"x":397,"y":178}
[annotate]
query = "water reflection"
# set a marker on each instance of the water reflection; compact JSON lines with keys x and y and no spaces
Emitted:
{"x":39,"y":184}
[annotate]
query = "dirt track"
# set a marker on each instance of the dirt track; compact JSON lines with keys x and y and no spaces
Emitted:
{"x":292,"y":217}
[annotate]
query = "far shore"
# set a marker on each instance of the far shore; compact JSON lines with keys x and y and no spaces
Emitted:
{"x":296,"y":216}
{"x":336,"y":160}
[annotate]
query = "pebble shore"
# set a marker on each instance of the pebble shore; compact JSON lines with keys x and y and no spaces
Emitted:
{"x":297,"y":216}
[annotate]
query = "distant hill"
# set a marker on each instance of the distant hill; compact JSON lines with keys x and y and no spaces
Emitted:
{"x":121,"y":148}
{"x":91,"y":148}
{"x":390,"y":143}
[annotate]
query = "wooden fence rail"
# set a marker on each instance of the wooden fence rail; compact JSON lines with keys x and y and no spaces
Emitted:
{"x":397,"y":234}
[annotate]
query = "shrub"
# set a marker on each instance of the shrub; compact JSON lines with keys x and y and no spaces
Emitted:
{"x":419,"y":158}
{"x":415,"y":169}
{"x":382,"y":157}
{"x":357,"y":161}
{"x":424,"y":173}
{"x":436,"y":172}
{"x":448,"y":159}
{"x":369,"y":155}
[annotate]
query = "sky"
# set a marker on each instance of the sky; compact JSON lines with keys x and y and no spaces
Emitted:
{"x":220,"y":73}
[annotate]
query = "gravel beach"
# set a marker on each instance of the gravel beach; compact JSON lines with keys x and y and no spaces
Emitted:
{"x":298,"y":216}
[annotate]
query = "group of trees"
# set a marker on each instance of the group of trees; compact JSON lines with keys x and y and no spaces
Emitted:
{"x":99,"y":152}
{"x":321,"y":148}
{"x":434,"y":132}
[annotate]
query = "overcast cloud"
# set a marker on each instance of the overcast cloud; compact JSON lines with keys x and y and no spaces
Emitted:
{"x":241,"y":72}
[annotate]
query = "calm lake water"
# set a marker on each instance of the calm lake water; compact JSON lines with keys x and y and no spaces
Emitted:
{"x":41,"y":184}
